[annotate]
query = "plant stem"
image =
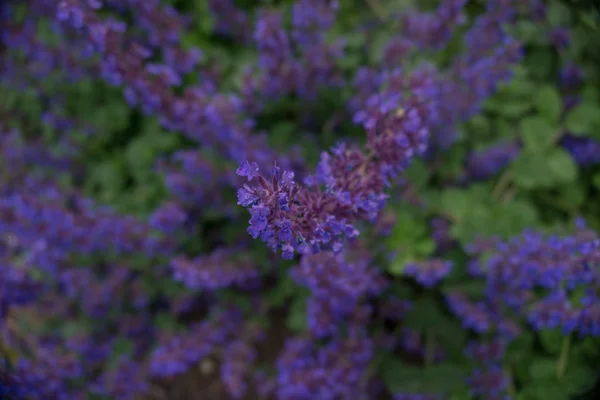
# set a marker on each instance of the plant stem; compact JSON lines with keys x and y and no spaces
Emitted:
{"x":502,"y":184}
{"x":509,"y":194}
{"x":561,"y":365}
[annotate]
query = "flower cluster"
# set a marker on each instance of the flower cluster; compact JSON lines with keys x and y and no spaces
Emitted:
{"x":336,"y":370}
{"x":586,"y":151}
{"x":176,"y":353}
{"x":349,"y":183}
{"x":280,"y":71}
{"x":337,"y":284}
{"x":560,"y":265}
{"x":485,"y":163}
{"x":430,"y":272}
{"x":11,"y":387}
{"x":214,"y":271}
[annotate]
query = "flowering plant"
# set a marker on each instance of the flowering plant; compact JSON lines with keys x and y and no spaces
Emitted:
{"x":299,"y":199}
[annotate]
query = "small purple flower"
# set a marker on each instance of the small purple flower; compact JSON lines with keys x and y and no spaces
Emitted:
{"x":571,"y":76}
{"x":476,"y":316}
{"x":430,"y":272}
{"x":585,"y":151}
{"x":485,"y":163}
{"x":560,"y":37}
{"x":258,"y":220}
{"x":554,"y":311}
{"x":249,"y":170}
{"x":590,"y":316}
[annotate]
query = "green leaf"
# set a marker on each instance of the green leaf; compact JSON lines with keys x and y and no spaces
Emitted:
{"x":558,"y":13}
{"x":514,"y":108}
{"x":529,"y":170}
{"x":122,"y":346}
{"x":426,"y":315}
{"x":398,"y":264}
{"x":377,"y":47}
{"x":282,"y":292}
{"x":410,"y":241}
{"x":590,"y":94}
{"x":296,"y":319}
{"x":540,"y":61}
{"x":443,"y":378}
{"x":548,"y":102}
{"x":519,"y":352}
{"x":476,"y":223}
{"x":529,"y":32}
{"x":503,"y":128}
{"x":456,"y":202}
{"x":479,"y":126}
{"x":398,"y":376}
{"x":452,"y":337}
{"x":561,"y":166}
{"x":508,"y":219}
{"x":108,"y":177}
{"x":551,"y":340}
{"x":139,"y":156}
{"x":165,"y":322}
{"x":282,"y":132}
{"x":543,"y":368}
{"x":583,"y":119}
{"x":538,"y":134}
{"x":579,"y":378}
{"x":544,"y":170}
{"x":424,"y":247}
{"x":544,"y":390}
{"x":417,"y":173}
{"x":73,"y":328}
{"x":571,"y":196}
{"x":596,"y":180}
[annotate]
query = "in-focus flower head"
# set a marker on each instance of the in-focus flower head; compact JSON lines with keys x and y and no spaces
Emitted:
{"x":291,"y":217}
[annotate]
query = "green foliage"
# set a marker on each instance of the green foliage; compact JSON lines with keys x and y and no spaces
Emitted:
{"x":538,"y":133}
{"x":551,"y":341}
{"x":296,"y":319}
{"x":548,"y":103}
{"x":538,"y":189}
{"x":476,"y":212}
{"x":409,"y":241}
{"x":445,"y":378}
{"x":554,"y":168}
{"x":584,"y":120}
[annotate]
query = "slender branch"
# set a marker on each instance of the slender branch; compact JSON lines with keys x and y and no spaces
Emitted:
{"x":561,"y":365}
{"x":502,"y":184}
